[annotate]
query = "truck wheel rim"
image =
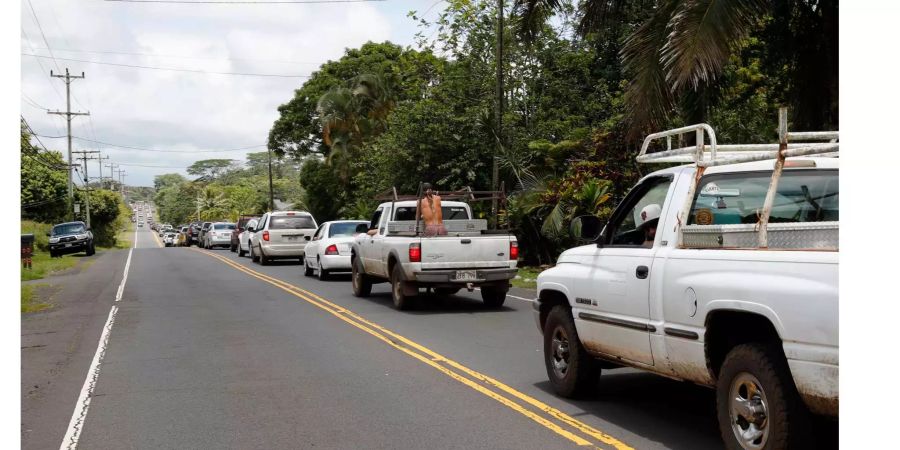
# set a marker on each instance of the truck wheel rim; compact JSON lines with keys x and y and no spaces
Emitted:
{"x":356,"y":276}
{"x":560,"y":352}
{"x":748,"y":407}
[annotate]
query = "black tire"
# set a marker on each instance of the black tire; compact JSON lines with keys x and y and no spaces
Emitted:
{"x":362,"y":284}
{"x":785,"y":422}
{"x":241,"y":251}
{"x":446,"y":291}
{"x":90,"y":250}
{"x":578,"y":375}
{"x":263,"y":259}
{"x":401,"y":301}
{"x":307,"y":269}
{"x":253,"y":256}
{"x":493,"y":297}
{"x":323,"y":274}
{"x":232,"y":248}
{"x":53,"y":254}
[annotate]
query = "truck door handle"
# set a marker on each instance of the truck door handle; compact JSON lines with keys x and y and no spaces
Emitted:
{"x":642,"y":272}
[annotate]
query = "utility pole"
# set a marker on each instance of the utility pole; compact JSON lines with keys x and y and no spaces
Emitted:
{"x":68,"y":113}
{"x":87,"y":188}
{"x":198,"y":208}
{"x":100,"y":168}
{"x":271,"y":192}
{"x":495,"y":171}
{"x":112,"y":179}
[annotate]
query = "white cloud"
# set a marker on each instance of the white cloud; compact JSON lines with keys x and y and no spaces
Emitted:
{"x":169,"y":110}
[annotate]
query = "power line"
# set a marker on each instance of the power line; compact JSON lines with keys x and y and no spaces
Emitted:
{"x":33,"y":103}
{"x":155,"y":150}
{"x":42,"y":202}
{"x":244,"y":2}
{"x":159,"y":55}
{"x":41,"y":29}
{"x":172,"y":69}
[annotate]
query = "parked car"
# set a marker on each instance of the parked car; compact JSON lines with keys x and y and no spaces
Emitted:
{"x":707,"y":275}
{"x":239,"y":228}
{"x":201,"y":237}
{"x":330,"y":247}
{"x":218,"y":235}
{"x":169,"y":239}
{"x":194,"y":236}
{"x":244,"y":237}
{"x":469,"y":256}
{"x":281,"y":235}
{"x":71,"y":237}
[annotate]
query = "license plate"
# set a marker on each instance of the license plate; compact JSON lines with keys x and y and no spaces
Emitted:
{"x":465,"y":275}
{"x":292,"y":238}
{"x":68,"y":245}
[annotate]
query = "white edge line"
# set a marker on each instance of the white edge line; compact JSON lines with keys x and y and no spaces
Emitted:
{"x":76,"y":424}
{"x":529,"y":300}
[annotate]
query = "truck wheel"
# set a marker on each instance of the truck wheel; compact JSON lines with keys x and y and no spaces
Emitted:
{"x":571,"y":370}
{"x":241,"y":251}
{"x":90,"y":250}
{"x":757,"y":403}
{"x":362,"y":285}
{"x":493,"y":297}
{"x":307,"y":270}
{"x":398,"y":285}
{"x":253,"y":256}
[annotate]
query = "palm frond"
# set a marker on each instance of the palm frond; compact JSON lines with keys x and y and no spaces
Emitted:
{"x":528,"y":16}
{"x":703,"y":35}
{"x":598,"y":14}
{"x":555,"y":221}
{"x":648,"y":99}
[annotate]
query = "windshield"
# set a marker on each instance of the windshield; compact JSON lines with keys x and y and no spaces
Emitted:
{"x":343,"y":229}
{"x":291,"y":222}
{"x":223,"y":226}
{"x":449,"y":213}
{"x":69,"y":228}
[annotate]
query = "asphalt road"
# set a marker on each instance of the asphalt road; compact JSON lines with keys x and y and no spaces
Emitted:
{"x":209,"y":350}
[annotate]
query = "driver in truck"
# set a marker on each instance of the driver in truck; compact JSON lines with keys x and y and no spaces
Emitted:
{"x":431,"y":214}
{"x":648,"y":221}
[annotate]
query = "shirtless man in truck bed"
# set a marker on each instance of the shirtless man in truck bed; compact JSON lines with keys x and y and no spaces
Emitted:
{"x":431,"y":213}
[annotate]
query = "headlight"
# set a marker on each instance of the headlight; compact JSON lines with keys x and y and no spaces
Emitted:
{"x":81,"y":236}
{"x":54,"y":240}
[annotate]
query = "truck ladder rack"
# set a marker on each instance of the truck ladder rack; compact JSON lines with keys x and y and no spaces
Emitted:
{"x":790,"y":144}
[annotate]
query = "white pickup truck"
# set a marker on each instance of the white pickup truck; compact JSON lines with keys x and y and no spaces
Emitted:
{"x":715,"y":297}
{"x":469,"y":256}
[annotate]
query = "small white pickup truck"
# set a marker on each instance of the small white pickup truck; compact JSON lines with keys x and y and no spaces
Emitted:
{"x":715,"y":297}
{"x":469,"y":255}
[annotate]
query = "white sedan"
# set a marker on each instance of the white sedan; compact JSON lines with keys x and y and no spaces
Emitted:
{"x":244,"y":238}
{"x":329,"y":249}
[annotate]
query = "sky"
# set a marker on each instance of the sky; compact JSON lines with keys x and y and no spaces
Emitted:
{"x":173,"y":118}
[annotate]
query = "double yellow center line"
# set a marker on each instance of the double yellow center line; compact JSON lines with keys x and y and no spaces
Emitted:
{"x":545,"y":415}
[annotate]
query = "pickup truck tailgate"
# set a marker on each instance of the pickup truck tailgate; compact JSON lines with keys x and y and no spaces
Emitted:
{"x":452,"y":252}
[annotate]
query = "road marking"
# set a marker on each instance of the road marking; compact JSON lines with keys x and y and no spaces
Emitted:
{"x":434,"y":359}
{"x":156,"y":238}
{"x":529,"y":300}
{"x":79,"y":415}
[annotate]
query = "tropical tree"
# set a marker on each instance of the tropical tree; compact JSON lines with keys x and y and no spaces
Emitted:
{"x":210,"y":169}
{"x":681,"y":47}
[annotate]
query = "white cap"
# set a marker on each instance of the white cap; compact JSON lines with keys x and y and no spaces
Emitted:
{"x":648,"y":213}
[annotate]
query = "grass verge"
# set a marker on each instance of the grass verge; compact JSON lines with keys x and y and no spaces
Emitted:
{"x":29,"y":303}
{"x":526,"y":278}
{"x":42,"y":265}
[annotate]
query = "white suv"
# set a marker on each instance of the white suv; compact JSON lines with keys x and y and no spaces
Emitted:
{"x":281,"y":235}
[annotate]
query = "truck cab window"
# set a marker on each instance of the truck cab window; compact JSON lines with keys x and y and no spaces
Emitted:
{"x":634,"y":224}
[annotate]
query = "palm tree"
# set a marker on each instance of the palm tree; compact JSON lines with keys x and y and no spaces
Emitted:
{"x":684,"y":45}
{"x":352,"y":114}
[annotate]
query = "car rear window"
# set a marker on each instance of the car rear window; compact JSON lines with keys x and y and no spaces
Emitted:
{"x":243,"y":222}
{"x":291,"y":222}
{"x":343,"y":229}
{"x":223,"y":226}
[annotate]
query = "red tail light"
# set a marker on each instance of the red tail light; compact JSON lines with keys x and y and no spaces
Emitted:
{"x":415,"y":253}
{"x":331,"y":250}
{"x":513,"y":250}
{"x":266,"y":235}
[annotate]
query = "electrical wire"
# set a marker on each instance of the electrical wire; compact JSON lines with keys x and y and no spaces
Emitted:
{"x":159,"y":55}
{"x":43,"y":202}
{"x":172,"y":69}
{"x":155,"y":150}
{"x":244,"y":2}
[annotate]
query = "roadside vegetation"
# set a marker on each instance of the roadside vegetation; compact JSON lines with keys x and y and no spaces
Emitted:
{"x":526,"y":278}
{"x":583,"y":83}
{"x":30,"y":303}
